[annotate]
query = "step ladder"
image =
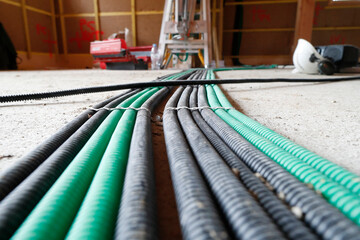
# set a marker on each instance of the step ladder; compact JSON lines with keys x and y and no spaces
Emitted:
{"x":179,"y":29}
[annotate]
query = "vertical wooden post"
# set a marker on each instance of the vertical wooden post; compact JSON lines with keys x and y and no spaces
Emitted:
{"x":221,"y":27}
{"x":97,"y":19}
{"x":304,"y":21}
{"x":54,"y":30}
{"x":63,"y":29}
{"x":133,"y":22}
{"x":26,"y":28}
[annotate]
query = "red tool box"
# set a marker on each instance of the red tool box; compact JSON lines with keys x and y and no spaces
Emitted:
{"x":114,"y":54}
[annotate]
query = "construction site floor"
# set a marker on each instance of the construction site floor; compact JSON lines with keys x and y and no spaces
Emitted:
{"x":323,"y":117}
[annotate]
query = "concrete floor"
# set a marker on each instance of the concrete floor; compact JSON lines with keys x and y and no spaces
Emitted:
{"x":323,"y":117}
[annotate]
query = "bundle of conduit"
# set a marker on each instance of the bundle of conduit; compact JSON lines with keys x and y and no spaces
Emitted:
{"x":233,"y":178}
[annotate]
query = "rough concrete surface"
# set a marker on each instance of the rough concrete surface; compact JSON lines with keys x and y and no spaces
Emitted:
{"x":323,"y":117}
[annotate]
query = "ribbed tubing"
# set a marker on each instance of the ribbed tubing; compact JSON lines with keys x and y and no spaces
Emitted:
{"x":20,"y":202}
{"x":54,"y":214}
{"x":246,"y":218}
{"x":13,"y":176}
{"x":102,"y":200}
{"x":333,"y":171}
{"x":339,"y":196}
{"x":277,"y":210}
{"x":323,"y":218}
{"x":199,"y":218}
{"x":137,"y":214}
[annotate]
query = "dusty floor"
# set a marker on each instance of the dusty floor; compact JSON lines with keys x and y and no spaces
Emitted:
{"x":323,"y":117}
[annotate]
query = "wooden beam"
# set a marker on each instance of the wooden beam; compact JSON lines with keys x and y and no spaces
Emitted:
{"x":54,"y":30}
{"x":221,"y":28}
{"x":97,"y":20}
{"x":26,"y":28}
{"x":133,"y":22}
{"x":63,"y":29}
{"x":304,"y":21}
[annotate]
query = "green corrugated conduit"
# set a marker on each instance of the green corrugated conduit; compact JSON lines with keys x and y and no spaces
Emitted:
{"x":88,"y":192}
{"x":54,"y":214}
{"x":337,"y":195}
{"x":338,"y":174}
{"x":244,"y":67}
{"x":103,"y":197}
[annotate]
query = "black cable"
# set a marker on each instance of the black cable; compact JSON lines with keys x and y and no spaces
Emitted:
{"x":137,"y":214}
{"x":12,"y":98}
{"x":246,"y":218}
{"x":198,"y":214}
{"x":12,"y":177}
{"x":324,"y":219}
{"x":277,"y":210}
{"x":16,"y":206}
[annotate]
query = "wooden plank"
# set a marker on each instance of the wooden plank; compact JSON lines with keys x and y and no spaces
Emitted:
{"x":26,"y":28}
{"x":304,"y":21}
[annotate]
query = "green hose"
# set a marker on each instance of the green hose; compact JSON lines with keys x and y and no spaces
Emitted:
{"x":337,"y":195}
{"x":54,"y":214}
{"x":103,"y":197}
{"x":245,"y":67}
{"x":331,"y":170}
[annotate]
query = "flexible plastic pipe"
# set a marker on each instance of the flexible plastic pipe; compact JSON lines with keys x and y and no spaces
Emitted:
{"x":340,"y":175}
{"x":12,"y":177}
{"x":137,"y":214}
{"x":20,"y":202}
{"x":245,"y":217}
{"x":102,"y":199}
{"x":339,"y":196}
{"x":323,"y":218}
{"x":198,"y":215}
{"x":165,"y":84}
{"x":53,"y":215}
{"x":277,"y":210}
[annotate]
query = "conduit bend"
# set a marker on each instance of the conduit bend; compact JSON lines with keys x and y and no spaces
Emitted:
{"x":323,"y":218}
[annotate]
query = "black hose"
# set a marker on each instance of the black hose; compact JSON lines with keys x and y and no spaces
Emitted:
{"x":277,"y":210}
{"x":246,"y":218}
{"x":13,"y":176}
{"x":137,"y":214}
{"x":15,"y":207}
{"x":324,"y":219}
{"x":34,"y":96}
{"x":198,"y":215}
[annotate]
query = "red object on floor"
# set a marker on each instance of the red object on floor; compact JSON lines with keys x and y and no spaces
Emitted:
{"x":113,"y":51}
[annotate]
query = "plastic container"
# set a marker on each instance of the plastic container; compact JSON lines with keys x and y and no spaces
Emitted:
{"x":155,"y":57}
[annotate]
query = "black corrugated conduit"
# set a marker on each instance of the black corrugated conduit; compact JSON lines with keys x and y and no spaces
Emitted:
{"x":246,"y":218}
{"x":199,"y":218}
{"x":12,"y":177}
{"x":277,"y":210}
{"x":324,"y":219}
{"x":34,"y":96}
{"x":19,"y":203}
{"x":137,"y":214}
